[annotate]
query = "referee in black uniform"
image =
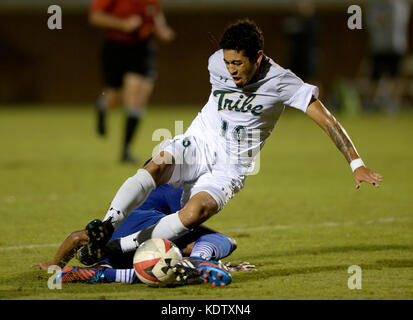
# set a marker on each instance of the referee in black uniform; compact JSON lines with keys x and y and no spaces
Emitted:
{"x":128,"y":58}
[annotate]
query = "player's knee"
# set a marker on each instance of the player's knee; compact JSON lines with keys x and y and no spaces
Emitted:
{"x":198,"y":210}
{"x":191,"y":218}
{"x":186,"y":252}
{"x":161,"y":167}
{"x":206,"y":212}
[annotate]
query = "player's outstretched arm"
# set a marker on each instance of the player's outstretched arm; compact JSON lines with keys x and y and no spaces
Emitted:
{"x":66,"y":250}
{"x":338,"y":134}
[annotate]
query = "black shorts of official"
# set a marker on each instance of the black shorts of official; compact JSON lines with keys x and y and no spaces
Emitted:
{"x":120,"y":58}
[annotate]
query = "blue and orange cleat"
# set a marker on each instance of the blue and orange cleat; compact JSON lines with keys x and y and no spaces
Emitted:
{"x":81,"y":274}
{"x":191,"y":270}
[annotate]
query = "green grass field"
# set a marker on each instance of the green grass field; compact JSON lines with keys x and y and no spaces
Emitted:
{"x":300,"y":220}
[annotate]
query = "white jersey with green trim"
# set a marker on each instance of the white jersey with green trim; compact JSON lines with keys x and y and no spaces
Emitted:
{"x":238,"y":120}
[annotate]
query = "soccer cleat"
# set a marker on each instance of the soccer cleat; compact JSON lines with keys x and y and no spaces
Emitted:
{"x":99,"y":232}
{"x":129,"y":158}
{"x":81,"y":274}
{"x":90,"y":254}
{"x":191,"y":270}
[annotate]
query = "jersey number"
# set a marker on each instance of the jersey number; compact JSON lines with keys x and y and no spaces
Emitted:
{"x":239,"y":133}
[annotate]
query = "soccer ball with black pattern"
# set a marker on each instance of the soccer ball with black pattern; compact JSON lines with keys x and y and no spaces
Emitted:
{"x":154,"y":260}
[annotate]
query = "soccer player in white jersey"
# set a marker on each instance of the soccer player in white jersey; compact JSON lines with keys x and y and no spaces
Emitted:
{"x":212,"y":159}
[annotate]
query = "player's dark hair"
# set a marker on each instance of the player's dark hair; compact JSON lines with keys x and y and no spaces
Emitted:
{"x":243,"y":35}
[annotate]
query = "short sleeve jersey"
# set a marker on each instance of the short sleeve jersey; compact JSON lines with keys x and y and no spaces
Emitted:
{"x":239,"y":120}
{"x":146,"y":9}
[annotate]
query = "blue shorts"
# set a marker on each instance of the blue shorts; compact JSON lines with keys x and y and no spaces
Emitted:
{"x":136,"y":221}
{"x":161,"y":201}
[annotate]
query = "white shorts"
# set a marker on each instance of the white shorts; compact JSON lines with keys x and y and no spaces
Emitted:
{"x":200,"y":166}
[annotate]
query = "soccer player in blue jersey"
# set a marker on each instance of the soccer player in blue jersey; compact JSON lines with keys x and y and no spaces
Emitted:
{"x":204,"y":247}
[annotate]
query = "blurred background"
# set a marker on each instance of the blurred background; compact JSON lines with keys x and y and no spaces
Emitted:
{"x":39,"y":66}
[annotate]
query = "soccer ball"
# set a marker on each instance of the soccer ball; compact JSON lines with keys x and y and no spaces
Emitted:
{"x":153,"y":262}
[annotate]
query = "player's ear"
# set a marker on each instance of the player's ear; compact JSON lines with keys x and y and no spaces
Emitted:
{"x":258,"y":57}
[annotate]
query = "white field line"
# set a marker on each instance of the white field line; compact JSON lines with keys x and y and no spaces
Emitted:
{"x":320,"y":225}
{"x":261,"y":228}
{"x":30,"y":246}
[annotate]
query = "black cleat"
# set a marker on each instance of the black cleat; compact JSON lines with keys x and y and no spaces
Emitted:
{"x":90,"y":255}
{"x":99,"y":232}
{"x":128,"y":158}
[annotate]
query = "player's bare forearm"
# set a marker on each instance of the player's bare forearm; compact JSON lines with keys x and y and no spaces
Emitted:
{"x":333,"y":128}
{"x":339,"y":136}
{"x":342,"y":141}
{"x":66,"y":250}
{"x":69,"y":246}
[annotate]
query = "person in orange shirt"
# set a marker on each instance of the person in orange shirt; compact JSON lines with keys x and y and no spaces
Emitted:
{"x":128,"y":58}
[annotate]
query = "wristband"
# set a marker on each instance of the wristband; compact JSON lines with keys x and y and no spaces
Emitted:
{"x":356,"y":163}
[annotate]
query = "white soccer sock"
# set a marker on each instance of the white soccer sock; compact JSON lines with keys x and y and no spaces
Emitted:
{"x":203,"y":250}
{"x":125,"y":275}
{"x":129,"y":243}
{"x":130,"y":195}
{"x":169,"y":227}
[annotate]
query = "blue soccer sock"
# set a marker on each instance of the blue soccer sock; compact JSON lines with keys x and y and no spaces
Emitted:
{"x":213,"y":246}
{"x":120,"y":275}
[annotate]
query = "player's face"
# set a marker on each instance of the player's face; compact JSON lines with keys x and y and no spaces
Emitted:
{"x":241,"y":68}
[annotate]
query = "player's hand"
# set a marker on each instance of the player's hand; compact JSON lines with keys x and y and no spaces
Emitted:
{"x":131,"y":24}
{"x":166,"y":34}
{"x":43,"y":265}
{"x":363,"y":174}
{"x":243,"y":266}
